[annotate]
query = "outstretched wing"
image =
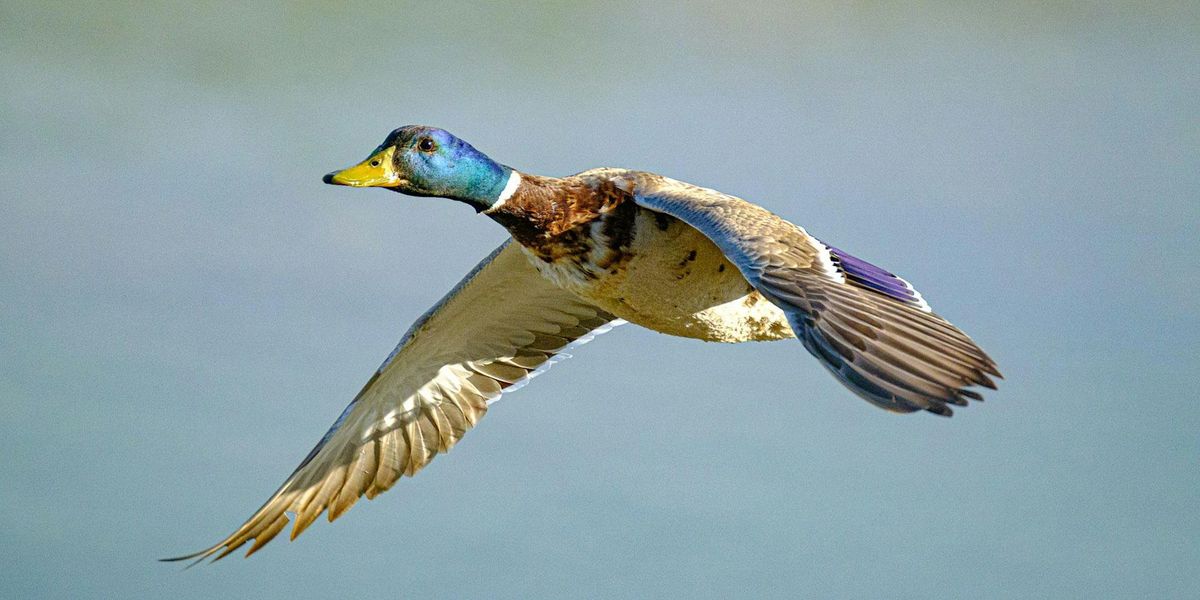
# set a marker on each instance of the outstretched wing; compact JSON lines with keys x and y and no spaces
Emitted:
{"x":502,"y":324}
{"x":870,"y":328}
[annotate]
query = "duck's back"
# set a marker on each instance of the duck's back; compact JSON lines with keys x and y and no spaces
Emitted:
{"x":656,"y":271}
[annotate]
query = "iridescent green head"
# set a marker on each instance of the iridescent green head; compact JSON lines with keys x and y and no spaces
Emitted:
{"x":427,"y":161}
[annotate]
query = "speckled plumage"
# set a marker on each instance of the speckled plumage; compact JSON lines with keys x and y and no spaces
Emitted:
{"x":588,"y":234}
{"x":588,"y":251}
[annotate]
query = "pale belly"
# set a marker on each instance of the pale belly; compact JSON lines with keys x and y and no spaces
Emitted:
{"x":673,"y":280}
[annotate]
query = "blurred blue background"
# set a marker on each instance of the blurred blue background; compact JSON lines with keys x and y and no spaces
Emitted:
{"x":184,"y":307}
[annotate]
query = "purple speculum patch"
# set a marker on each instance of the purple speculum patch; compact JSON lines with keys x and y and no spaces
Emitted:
{"x":870,"y":276}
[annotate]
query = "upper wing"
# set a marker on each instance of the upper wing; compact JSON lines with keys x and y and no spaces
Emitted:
{"x":870,"y":328}
{"x":502,"y":324}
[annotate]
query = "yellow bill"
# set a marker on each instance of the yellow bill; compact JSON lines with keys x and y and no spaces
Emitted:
{"x":376,"y":171}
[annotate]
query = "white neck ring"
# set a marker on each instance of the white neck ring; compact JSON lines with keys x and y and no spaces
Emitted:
{"x":510,"y":188}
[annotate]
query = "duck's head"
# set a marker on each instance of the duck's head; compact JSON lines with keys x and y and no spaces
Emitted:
{"x":427,"y":161}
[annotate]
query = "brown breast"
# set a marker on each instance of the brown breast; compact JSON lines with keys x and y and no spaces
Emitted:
{"x":568,"y":219}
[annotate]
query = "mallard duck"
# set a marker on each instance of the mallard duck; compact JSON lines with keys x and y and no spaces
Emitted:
{"x":586,"y":253}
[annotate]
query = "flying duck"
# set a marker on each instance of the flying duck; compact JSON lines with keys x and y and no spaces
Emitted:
{"x":586,"y":253}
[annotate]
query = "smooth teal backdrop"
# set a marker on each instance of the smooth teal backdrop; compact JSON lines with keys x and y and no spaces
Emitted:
{"x":184,"y":307}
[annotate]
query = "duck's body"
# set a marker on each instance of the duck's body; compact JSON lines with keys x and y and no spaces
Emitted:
{"x":588,"y":251}
{"x":588,"y":235}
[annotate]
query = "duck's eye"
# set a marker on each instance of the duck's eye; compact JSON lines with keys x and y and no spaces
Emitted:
{"x":426,"y":145}
{"x":375,"y":163}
